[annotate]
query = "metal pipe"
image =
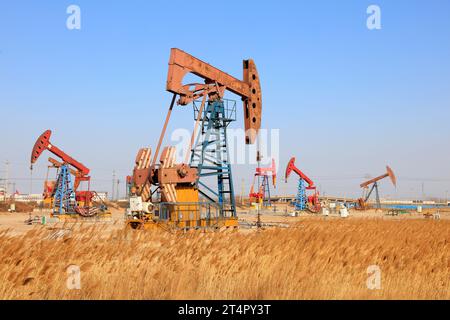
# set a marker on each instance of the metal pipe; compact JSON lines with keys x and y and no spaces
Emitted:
{"x":365,"y":184}
{"x":194,"y":133}
{"x":163,"y":132}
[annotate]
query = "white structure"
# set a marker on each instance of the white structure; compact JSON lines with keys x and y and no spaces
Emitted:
{"x":103,"y":196}
{"x":29,"y":197}
{"x":343,"y":211}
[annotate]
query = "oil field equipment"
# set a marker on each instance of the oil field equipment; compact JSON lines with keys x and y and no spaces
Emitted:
{"x":302,"y":200}
{"x":197,"y":193}
{"x":65,"y":198}
{"x":373,"y":184}
{"x":262,"y":175}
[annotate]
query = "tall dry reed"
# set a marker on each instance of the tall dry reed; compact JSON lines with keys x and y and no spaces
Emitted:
{"x":313,"y":260}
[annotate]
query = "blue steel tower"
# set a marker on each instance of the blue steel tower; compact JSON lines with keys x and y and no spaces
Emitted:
{"x":210,"y":155}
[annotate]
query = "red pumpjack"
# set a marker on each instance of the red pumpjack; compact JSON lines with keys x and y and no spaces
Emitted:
{"x":263,"y":194}
{"x":313,"y":203}
{"x":81,"y":172}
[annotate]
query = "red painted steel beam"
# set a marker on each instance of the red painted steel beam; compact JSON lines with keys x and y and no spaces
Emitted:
{"x":43,"y":143}
{"x":291,"y":167}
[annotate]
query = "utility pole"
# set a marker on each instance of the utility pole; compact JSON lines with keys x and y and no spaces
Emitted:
{"x":113,"y":185}
{"x":423,"y":191}
{"x":31,"y":181}
{"x":258,"y":160}
{"x":242,"y":191}
{"x":127,"y":190}
{"x":6,"y":177}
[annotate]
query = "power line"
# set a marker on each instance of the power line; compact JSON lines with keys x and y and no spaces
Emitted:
{"x":43,"y":166}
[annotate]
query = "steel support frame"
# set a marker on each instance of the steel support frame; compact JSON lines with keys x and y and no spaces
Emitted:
{"x":300,"y":201}
{"x":211,"y":157}
{"x":377,"y":195}
{"x":64,"y":198}
{"x":266,"y":191}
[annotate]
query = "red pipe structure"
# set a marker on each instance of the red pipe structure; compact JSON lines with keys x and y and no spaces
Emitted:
{"x":265,"y":173}
{"x":270,"y":171}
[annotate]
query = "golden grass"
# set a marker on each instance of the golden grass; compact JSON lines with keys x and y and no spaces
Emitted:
{"x":316,"y":259}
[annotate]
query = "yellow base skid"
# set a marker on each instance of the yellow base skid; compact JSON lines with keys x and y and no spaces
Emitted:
{"x":140,"y":224}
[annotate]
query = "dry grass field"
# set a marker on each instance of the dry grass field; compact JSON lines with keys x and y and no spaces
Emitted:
{"x":314,"y":259}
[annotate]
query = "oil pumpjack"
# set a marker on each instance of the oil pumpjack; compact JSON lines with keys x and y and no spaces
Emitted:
{"x":373,"y":183}
{"x":263,"y":193}
{"x":185,"y":195}
{"x":302,"y":200}
{"x":66,"y":199}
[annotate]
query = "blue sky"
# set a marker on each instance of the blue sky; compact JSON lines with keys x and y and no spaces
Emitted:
{"x":347,"y":100}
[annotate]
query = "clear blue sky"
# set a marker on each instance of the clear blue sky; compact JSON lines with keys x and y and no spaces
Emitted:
{"x":347,"y":100}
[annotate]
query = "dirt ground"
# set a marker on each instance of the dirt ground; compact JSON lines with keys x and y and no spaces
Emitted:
{"x":16,"y":222}
{"x":270,"y":218}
